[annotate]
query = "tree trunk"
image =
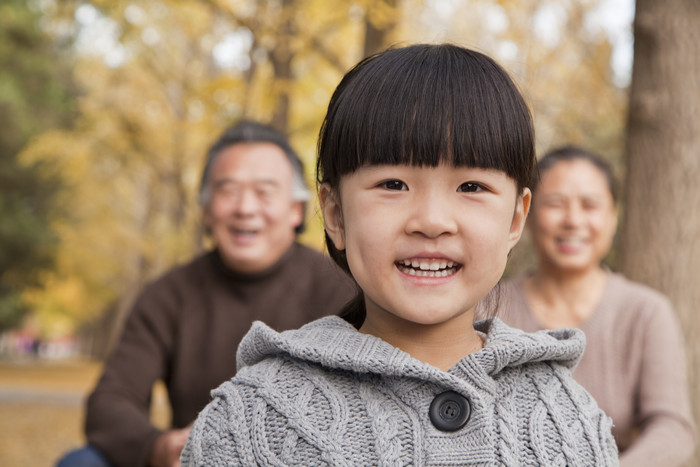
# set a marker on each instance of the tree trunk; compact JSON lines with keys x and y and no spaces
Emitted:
{"x":282,"y":57}
{"x":661,"y":232}
{"x":379,"y":25}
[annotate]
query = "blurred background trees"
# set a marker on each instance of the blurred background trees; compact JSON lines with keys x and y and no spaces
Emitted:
{"x":108,"y":107}
{"x":660,"y":241}
{"x":35,"y":95}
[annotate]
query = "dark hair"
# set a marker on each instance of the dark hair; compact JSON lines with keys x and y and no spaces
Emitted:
{"x":571,"y":153}
{"x":423,"y":105}
{"x":247,"y":131}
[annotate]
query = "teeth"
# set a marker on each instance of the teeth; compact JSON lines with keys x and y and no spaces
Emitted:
{"x":434,"y":265}
{"x":421,"y":273}
{"x":440,"y":268}
{"x":428,"y":265}
{"x":571,"y":241}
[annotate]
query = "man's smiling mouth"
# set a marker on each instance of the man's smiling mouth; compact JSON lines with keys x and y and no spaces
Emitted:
{"x":423,"y":267}
{"x":243,"y":231}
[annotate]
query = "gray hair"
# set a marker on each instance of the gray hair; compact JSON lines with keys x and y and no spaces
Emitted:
{"x":253,"y":132}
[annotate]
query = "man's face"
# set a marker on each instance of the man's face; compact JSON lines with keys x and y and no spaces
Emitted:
{"x":251,"y":213}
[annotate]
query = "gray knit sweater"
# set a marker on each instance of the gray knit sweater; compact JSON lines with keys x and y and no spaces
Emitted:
{"x":328,"y":395}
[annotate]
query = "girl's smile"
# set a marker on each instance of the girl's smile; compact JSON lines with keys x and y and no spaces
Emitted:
{"x":428,"y":267}
{"x":424,"y":243}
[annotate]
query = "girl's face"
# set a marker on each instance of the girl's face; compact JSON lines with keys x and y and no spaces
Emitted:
{"x":424,"y":244}
{"x":574,"y":217}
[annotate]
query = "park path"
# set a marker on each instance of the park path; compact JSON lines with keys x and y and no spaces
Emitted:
{"x":41,"y":409}
{"x":40,"y":395}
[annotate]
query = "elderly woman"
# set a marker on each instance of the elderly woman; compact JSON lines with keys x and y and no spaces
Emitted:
{"x":634,"y":364}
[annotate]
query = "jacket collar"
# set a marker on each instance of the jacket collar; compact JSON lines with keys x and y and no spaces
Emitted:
{"x":335,"y":344}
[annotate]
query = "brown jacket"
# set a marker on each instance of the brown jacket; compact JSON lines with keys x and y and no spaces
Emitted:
{"x":185,"y":328}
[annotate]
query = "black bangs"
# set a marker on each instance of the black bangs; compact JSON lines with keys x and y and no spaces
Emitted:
{"x":424,"y":105}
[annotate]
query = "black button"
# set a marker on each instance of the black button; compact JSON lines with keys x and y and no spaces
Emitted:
{"x":449,"y":411}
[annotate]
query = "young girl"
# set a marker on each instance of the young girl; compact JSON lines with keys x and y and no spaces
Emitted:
{"x":425,"y":158}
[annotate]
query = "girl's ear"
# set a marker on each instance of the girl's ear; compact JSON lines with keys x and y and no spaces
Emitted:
{"x":332,"y":215}
{"x":522,"y":208}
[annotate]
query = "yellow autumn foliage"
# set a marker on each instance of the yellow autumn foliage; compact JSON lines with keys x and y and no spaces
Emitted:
{"x":133,"y":160}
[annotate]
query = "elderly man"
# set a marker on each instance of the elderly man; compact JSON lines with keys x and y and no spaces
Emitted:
{"x":185,"y":327}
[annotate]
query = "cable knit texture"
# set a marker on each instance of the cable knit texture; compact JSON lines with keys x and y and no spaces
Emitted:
{"x":326,"y":394}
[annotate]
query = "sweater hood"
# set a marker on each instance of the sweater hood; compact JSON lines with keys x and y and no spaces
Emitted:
{"x":335,"y":344}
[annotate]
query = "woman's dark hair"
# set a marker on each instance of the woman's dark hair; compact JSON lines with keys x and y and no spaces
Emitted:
{"x":572,"y":153}
{"x":424,"y":105}
{"x":247,"y":131}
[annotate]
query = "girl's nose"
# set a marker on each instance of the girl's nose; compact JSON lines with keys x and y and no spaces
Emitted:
{"x":431,"y":216}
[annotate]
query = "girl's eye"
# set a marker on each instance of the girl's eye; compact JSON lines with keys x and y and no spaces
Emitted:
{"x":470,"y":187}
{"x":396,"y":185}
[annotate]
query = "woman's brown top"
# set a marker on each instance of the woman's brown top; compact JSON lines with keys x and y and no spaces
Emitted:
{"x":634,"y":365}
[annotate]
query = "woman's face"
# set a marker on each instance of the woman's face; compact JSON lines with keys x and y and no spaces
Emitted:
{"x":424,"y":244}
{"x":574,"y":217}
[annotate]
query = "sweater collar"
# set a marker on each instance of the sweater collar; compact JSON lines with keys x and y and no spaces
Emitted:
{"x":335,"y":344}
